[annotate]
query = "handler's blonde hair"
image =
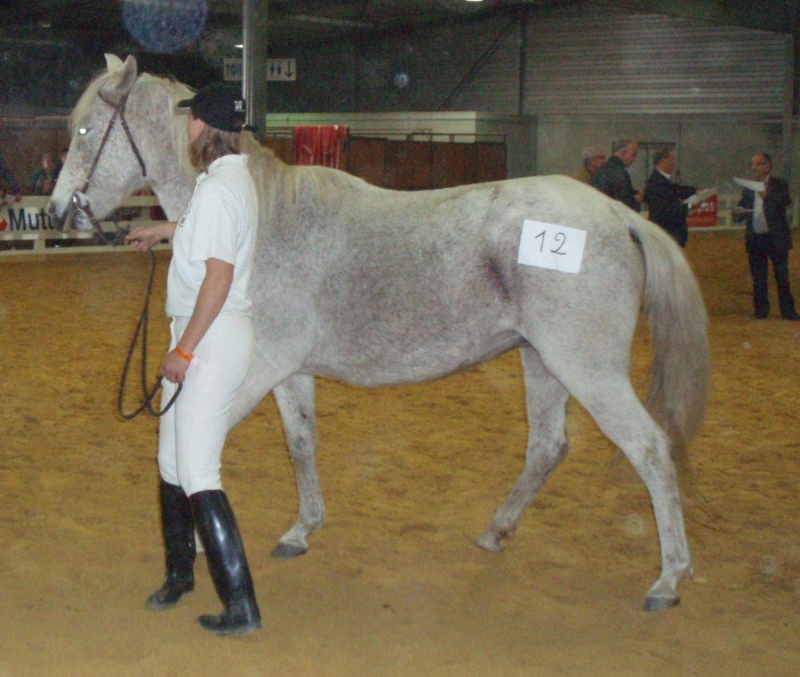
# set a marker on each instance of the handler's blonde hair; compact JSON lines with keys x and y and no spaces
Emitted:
{"x":211,"y":145}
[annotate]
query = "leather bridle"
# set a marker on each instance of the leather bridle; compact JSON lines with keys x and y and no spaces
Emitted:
{"x":79,"y":199}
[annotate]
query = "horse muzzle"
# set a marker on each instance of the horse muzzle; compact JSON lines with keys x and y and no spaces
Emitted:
{"x":61,"y":217}
{"x":76,"y":215}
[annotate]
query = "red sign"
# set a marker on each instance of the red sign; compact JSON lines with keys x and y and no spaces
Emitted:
{"x":704,"y":215}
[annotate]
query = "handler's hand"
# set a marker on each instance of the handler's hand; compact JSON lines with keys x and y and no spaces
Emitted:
{"x":146,"y":237}
{"x":143,"y":238}
{"x":174,"y":367}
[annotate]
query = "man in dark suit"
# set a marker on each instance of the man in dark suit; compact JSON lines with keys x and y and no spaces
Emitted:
{"x":613,"y":178}
{"x":665,"y":200}
{"x":767,"y":237}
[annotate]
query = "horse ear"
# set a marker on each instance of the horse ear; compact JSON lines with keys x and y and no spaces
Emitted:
{"x":113,"y":62}
{"x":121,"y":76}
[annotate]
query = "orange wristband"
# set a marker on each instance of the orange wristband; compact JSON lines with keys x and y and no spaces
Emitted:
{"x":182,"y":353}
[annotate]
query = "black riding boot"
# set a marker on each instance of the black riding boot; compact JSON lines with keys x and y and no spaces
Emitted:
{"x":178,"y":529}
{"x":227,"y":563}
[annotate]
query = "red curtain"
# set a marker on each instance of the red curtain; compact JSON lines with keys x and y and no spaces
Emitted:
{"x":319,"y":145}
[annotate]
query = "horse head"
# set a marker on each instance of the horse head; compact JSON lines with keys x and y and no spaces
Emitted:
{"x":104,"y":164}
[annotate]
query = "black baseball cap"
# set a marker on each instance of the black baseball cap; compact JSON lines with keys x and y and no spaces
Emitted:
{"x":219,"y":105}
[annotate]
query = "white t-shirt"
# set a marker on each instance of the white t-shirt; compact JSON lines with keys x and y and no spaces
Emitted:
{"x":220,"y":222}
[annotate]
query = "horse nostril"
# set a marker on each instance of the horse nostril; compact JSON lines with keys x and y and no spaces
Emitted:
{"x":56,"y":218}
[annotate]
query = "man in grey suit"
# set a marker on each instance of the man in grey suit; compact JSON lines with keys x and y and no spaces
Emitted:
{"x":767,"y":237}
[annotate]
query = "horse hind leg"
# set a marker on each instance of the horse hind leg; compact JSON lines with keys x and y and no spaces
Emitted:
{"x":546,"y":404}
{"x":613,"y":403}
{"x":295,"y":398}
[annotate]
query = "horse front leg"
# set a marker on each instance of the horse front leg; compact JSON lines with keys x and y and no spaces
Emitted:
{"x":546,"y":401}
{"x":295,"y":398}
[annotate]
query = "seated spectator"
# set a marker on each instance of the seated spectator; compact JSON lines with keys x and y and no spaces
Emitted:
{"x":62,"y":158}
{"x":43,"y":181}
{"x":7,"y":177}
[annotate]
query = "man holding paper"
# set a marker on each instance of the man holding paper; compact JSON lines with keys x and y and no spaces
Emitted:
{"x":668,"y":202}
{"x":767,"y":237}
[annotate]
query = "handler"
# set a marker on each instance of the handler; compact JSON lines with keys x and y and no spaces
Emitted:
{"x":210,"y":352}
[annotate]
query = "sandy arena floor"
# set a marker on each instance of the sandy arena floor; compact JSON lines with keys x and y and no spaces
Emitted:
{"x":393,"y":584}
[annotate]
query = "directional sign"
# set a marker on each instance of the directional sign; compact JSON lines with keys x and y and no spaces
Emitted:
{"x":232,"y":69}
{"x":278,"y":70}
{"x":281,"y":69}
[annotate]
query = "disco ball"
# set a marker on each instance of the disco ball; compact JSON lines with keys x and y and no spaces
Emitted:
{"x":165,"y":26}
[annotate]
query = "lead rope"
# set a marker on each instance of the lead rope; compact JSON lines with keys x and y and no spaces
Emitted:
{"x":81,"y":203}
{"x":141,"y":326}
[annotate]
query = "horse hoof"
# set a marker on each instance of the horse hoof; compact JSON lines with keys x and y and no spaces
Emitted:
{"x":661,"y":603}
{"x":287,"y":551}
{"x":490,"y":542}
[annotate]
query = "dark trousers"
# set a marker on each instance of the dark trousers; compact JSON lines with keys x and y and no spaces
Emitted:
{"x":760,"y":252}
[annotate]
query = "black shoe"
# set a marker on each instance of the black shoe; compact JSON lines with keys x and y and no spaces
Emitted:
{"x":794,"y":317}
{"x":168,"y":595}
{"x":227,"y":563}
{"x":760,"y":316}
{"x":239,"y":618}
{"x":178,"y":529}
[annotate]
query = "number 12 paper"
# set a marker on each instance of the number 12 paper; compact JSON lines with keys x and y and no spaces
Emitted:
{"x":547,"y":245}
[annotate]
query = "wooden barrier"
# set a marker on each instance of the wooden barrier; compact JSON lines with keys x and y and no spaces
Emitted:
{"x":26,"y":228}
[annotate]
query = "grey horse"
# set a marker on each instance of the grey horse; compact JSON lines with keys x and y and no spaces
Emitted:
{"x":375,"y":287}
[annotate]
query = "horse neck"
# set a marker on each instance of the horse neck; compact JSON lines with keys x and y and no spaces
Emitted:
{"x":273,"y":180}
{"x":166,"y":175}
{"x":174,"y":193}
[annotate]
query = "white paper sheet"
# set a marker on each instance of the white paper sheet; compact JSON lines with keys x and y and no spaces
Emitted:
{"x":757,"y":186}
{"x":701,"y":196}
{"x":548,"y":245}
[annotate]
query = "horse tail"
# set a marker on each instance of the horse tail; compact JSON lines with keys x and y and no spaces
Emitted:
{"x":680,"y":370}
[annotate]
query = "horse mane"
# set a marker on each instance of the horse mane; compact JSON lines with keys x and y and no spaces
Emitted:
{"x":281,"y":187}
{"x":176,"y":91}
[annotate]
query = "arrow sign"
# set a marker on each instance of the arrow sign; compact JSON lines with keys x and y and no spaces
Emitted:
{"x":278,"y":70}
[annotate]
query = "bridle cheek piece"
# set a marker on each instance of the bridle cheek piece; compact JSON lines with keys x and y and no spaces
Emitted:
{"x":79,"y":199}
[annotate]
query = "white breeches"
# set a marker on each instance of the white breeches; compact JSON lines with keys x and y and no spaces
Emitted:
{"x":192,"y":433}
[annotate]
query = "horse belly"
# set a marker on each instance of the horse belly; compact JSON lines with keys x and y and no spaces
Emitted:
{"x":375,"y":357}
